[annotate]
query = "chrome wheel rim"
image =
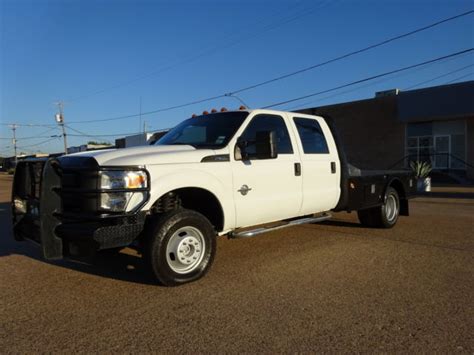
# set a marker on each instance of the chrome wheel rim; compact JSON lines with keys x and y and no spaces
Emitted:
{"x":185,"y":250}
{"x":391,"y":208}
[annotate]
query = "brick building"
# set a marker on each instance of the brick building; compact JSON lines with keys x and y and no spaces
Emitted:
{"x":433,"y":124}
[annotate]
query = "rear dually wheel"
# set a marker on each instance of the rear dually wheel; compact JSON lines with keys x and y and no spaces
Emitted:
{"x":384,"y":216}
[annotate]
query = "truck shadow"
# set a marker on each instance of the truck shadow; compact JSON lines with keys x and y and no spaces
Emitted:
{"x":123,"y":266}
{"x":339,"y":223}
{"x":454,"y":195}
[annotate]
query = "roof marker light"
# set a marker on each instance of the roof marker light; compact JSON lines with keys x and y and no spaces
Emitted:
{"x":194,"y":115}
{"x":223,"y":109}
{"x":205,"y":112}
{"x":242,"y":107}
{"x":213,"y":110}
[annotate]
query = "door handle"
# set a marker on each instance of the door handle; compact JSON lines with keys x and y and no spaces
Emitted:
{"x":333,"y":167}
{"x":244,"y":190}
{"x":297,"y":169}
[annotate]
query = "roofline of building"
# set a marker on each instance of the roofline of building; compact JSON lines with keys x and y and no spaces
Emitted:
{"x":389,"y":97}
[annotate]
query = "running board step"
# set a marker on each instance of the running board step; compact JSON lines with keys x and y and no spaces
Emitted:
{"x":254,"y":232}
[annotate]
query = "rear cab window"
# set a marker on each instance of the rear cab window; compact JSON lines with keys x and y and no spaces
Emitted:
{"x":311,"y":135}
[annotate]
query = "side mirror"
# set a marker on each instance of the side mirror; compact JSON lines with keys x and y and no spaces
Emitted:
{"x":265,"y":145}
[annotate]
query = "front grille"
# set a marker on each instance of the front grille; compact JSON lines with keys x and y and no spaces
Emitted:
{"x":79,"y":183}
{"x":74,"y":191}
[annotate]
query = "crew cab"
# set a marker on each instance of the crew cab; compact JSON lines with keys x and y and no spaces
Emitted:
{"x":234,"y":173}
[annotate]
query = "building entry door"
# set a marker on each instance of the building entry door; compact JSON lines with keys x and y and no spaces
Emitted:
{"x":442,"y":149}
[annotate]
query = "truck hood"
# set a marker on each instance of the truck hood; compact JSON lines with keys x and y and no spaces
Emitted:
{"x":148,"y":155}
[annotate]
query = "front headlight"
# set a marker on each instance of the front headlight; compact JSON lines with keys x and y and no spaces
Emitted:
{"x":115,"y":179}
{"x":122,"y":201}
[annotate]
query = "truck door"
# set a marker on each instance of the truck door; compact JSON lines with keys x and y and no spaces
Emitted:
{"x":267,"y":190}
{"x":320,"y":167}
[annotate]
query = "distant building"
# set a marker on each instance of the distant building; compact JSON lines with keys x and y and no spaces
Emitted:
{"x":139,"y":139}
{"x":87,"y":147}
{"x":433,"y":124}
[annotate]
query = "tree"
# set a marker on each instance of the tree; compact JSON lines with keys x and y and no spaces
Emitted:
{"x":98,"y":143}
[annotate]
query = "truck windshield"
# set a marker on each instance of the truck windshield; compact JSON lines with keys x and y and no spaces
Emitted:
{"x":212,"y":131}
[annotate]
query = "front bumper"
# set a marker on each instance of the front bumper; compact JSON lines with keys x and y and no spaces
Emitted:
{"x":46,"y":220}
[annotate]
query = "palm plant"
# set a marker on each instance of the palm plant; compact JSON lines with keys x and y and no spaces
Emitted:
{"x":421,"y":169}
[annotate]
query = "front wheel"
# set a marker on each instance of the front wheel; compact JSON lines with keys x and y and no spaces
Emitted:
{"x":385,"y":216}
{"x":180,"y":247}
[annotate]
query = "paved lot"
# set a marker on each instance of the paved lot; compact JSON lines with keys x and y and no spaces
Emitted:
{"x":329,"y":287}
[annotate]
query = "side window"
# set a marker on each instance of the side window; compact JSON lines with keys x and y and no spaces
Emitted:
{"x":311,"y":135}
{"x":268,"y":123}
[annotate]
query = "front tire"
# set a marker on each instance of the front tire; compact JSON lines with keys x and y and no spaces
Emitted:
{"x":180,"y":247}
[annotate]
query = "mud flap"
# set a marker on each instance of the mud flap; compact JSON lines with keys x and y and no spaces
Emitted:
{"x":50,"y":205}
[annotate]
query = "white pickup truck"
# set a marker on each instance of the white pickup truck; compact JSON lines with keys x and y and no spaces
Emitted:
{"x":235,"y":173}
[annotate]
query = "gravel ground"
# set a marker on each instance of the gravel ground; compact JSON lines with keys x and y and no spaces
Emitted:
{"x":326,"y":287}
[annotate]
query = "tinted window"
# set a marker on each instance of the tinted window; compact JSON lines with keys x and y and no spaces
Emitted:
{"x":311,"y":135}
{"x":268,"y":123}
{"x":208,"y":131}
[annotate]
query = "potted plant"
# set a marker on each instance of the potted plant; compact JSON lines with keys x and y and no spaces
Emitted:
{"x":421,"y":170}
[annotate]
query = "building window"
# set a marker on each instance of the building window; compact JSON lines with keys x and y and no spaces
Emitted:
{"x":442,"y":144}
{"x":420,"y":148}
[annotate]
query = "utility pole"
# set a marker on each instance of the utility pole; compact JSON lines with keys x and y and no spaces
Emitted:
{"x":60,"y":121}
{"x":13,"y":127}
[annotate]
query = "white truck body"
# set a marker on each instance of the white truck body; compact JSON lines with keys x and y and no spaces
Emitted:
{"x":276,"y":192}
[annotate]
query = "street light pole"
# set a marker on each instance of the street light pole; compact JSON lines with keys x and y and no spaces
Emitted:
{"x":14,"y":143}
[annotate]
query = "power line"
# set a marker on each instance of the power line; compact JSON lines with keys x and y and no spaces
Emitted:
{"x":82,"y":134}
{"x":213,"y":49}
{"x":27,"y":124}
{"x":459,"y":78}
{"x":40,"y":143}
{"x":35,"y":137}
{"x":370,"y":78}
{"x":350,"y":54}
{"x":232,"y":94}
{"x":438,"y":77}
{"x":154,"y":111}
{"x":40,"y":135}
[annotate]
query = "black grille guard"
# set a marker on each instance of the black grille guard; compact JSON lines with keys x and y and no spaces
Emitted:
{"x":50,"y":205}
{"x":47,"y":226}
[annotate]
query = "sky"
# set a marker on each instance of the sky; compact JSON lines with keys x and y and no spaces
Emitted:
{"x":113,"y":58}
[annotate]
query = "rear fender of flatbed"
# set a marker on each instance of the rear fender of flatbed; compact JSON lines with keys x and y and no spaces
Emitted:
{"x":368,"y":191}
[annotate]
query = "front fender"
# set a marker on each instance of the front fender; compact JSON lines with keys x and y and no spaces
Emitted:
{"x":219,"y":183}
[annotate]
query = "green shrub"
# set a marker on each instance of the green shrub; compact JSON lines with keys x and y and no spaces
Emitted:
{"x":11,"y":171}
